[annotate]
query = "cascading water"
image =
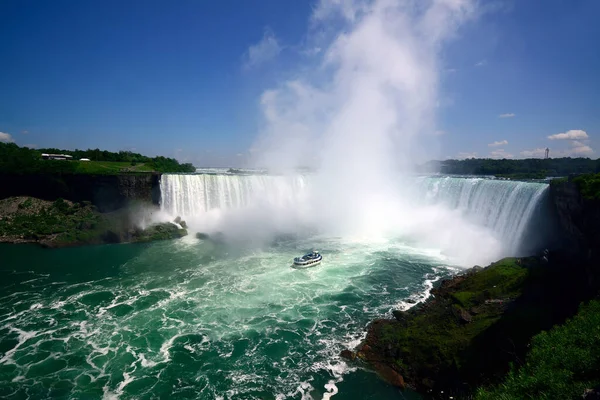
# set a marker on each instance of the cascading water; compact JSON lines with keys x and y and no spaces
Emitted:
{"x":503,"y":207}
{"x":194,"y":195}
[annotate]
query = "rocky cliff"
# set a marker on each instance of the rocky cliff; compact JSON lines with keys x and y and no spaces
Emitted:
{"x":479,"y":323}
{"x":106,"y":192}
{"x":579,"y":219}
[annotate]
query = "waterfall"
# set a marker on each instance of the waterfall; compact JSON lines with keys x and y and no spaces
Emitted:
{"x":195,"y":195}
{"x":506,"y":208}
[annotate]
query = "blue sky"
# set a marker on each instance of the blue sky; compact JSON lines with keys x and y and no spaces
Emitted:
{"x":185,"y":78}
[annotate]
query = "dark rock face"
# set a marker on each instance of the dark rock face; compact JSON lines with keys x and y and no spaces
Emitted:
{"x":347,"y":354}
{"x":390,"y":375}
{"x":106,"y":192}
{"x":578,"y":217}
{"x":579,"y":220}
{"x":463,"y":315}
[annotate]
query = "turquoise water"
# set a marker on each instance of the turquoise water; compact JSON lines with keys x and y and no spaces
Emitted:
{"x":195,"y":319}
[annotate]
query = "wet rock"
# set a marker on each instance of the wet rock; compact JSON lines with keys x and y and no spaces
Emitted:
{"x":390,"y":375}
{"x":399,"y":315}
{"x":180,"y":222}
{"x":475,"y":269}
{"x":348,"y":355}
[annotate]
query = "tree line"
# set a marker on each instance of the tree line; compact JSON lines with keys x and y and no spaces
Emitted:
{"x":15,"y":159}
{"x":527,"y":168}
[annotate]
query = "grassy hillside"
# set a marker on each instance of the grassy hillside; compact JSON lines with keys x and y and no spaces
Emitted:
{"x":109,"y":167}
{"x":22,"y":160}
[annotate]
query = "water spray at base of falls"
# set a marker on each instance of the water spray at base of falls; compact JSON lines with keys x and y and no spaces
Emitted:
{"x":469,"y":220}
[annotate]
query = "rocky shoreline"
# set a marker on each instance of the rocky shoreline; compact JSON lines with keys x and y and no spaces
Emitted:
{"x":428,"y":347}
{"x":477,"y":324}
{"x":63,"y":223}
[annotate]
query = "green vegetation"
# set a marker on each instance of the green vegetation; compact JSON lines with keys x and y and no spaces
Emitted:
{"x":589,"y":186}
{"x":562,"y":363}
{"x":22,"y":160}
{"x":62,"y":223}
{"x":109,"y":167}
{"x":532,"y":168}
{"x":36,"y":219}
{"x":502,"y":280}
{"x":436,"y":339}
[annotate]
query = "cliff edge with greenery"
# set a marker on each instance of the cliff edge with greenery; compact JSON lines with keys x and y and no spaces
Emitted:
{"x":23,"y":160}
{"x":62,"y":223}
{"x":511,"y":330}
{"x":474,"y":327}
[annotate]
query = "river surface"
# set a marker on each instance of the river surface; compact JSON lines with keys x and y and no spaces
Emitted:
{"x":199,"y":319}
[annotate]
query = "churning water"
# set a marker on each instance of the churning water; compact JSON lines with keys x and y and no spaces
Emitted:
{"x":217,"y":319}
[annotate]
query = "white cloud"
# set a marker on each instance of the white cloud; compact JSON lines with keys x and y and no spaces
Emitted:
{"x":500,"y":153}
{"x":439,"y":133}
{"x":312,"y":51}
{"x":498,"y":143}
{"x":31,"y":146}
{"x":576,"y":149}
{"x":507,"y":115}
{"x":463,"y":155}
{"x":580,"y":149}
{"x":265,"y":50}
{"x":535,"y":153}
{"x":481,"y":63}
{"x":451,"y":70}
{"x":6,"y":138}
{"x":569,"y":135}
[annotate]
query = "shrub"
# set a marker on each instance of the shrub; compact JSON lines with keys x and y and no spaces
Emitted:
{"x":562,"y":363}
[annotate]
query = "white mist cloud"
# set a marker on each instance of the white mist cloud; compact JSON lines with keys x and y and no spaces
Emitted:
{"x":361,"y":112}
{"x":569,"y":135}
{"x":265,"y":50}
{"x":508,"y":115}
{"x":481,"y":63}
{"x":374,"y":94}
{"x":6,"y":138}
{"x":500,"y":153}
{"x":498,"y":143}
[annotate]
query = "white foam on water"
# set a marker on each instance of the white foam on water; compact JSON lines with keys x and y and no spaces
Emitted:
{"x":332,"y":390}
{"x":23,"y":336}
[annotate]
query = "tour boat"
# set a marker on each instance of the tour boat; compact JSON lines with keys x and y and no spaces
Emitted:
{"x":311,"y":259}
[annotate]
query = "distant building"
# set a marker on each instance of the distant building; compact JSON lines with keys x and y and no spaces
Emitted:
{"x":56,"y":156}
{"x":84,"y":159}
